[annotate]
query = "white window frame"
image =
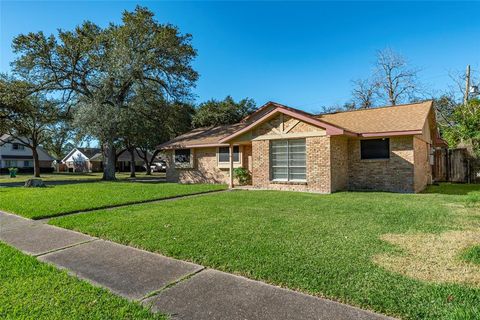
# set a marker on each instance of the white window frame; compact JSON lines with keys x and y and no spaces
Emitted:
{"x":226,"y":163}
{"x":288,"y":162}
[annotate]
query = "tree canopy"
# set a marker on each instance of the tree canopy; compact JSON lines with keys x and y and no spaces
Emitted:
{"x":30,"y":119}
{"x":227,"y":111}
{"x":462,"y":127}
{"x":104,"y":69}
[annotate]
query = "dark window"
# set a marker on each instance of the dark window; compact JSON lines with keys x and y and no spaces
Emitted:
{"x":224,"y":154}
{"x":182,"y":156}
{"x":375,"y":149}
{"x":17,"y":146}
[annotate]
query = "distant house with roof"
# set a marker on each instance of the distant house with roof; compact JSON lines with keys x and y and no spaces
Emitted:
{"x":387,"y":149}
{"x":91,"y":160}
{"x":13,"y":154}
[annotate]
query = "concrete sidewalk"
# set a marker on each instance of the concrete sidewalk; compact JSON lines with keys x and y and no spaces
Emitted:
{"x":182,"y":289}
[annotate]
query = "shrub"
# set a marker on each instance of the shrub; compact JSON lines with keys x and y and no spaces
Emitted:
{"x":12,"y":172}
{"x":242,"y":175}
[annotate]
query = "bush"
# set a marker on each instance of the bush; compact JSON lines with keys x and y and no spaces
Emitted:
{"x":242,"y":175}
{"x":12,"y":172}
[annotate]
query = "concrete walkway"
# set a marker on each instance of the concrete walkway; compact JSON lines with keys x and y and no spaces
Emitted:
{"x":182,"y":289}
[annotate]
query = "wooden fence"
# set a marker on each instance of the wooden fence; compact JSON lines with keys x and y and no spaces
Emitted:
{"x":455,"y":165}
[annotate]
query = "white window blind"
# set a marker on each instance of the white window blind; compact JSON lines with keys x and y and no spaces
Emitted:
{"x":288,"y":160}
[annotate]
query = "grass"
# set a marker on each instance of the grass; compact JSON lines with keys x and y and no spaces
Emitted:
{"x":22,"y":177}
{"x":320,"y":244}
{"x":472,"y":255}
{"x":52,"y":201}
{"x":33,"y":290}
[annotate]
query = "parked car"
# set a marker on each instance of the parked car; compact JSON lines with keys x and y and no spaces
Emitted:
{"x":159,"y":166}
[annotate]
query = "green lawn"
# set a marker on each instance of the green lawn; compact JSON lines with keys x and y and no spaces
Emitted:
{"x":30,"y":289}
{"x":472,"y":254}
{"x":320,"y":244}
{"x":57,"y":200}
{"x":22,"y":177}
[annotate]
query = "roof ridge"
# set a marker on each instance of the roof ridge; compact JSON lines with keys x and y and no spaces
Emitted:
{"x":375,"y":108}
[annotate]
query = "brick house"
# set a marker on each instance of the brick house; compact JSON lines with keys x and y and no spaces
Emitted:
{"x":384,"y":149}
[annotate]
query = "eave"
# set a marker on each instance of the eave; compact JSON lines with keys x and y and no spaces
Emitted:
{"x":191,"y":146}
{"x":330,"y":129}
{"x":390,"y":133}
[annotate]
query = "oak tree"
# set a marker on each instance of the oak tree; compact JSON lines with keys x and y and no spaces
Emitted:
{"x":103,"y":68}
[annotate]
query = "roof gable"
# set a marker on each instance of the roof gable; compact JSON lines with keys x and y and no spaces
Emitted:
{"x":88,"y":153}
{"x":275,"y":109}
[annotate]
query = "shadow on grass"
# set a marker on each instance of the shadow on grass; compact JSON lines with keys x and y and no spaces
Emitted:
{"x":138,"y":179}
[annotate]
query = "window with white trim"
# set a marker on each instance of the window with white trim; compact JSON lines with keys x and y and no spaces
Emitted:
{"x":28,"y":163}
{"x":288,"y":160}
{"x":224,"y":154}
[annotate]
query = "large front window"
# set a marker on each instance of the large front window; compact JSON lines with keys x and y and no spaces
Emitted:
{"x":288,"y":160}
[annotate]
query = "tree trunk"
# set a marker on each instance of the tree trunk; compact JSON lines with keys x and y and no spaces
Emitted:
{"x":149,"y":169}
{"x":36,"y":163}
{"x":132,"y":163}
{"x":109,"y":159}
{"x":148,"y":164}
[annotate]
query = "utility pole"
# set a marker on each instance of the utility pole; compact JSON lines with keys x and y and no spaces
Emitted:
{"x":467,"y":85}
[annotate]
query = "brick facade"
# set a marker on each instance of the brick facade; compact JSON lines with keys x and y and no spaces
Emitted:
{"x":318,"y":167}
{"x":395,"y":174}
{"x":332,"y":162}
{"x":332,"y":143}
{"x":422,"y":167}
{"x":45,"y":164}
{"x":205,"y":168}
{"x":339,"y":163}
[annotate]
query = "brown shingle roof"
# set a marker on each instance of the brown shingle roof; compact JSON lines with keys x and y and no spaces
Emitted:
{"x":406,"y":117}
{"x":202,"y":136}
{"x":400,"y":118}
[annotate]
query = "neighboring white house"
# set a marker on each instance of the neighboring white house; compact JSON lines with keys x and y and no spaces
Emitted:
{"x":15,"y":155}
{"x":91,"y":160}
{"x":80,"y":160}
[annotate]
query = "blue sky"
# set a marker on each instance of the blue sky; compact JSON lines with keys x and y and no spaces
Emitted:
{"x":303,"y":54}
